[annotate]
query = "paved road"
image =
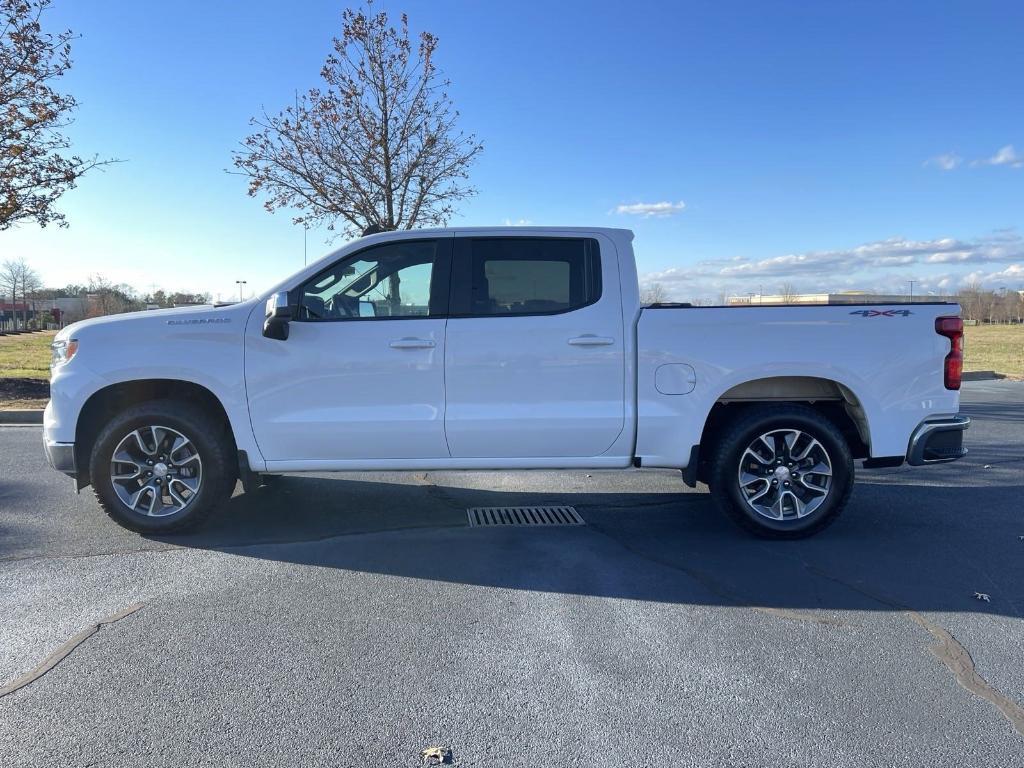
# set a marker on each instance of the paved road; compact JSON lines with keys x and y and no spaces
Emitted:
{"x":354,"y":621}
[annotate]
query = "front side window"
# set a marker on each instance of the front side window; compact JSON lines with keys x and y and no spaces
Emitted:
{"x":390,"y":280}
{"x":531,"y":276}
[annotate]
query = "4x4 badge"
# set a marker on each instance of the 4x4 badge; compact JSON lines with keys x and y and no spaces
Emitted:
{"x":882,"y":312}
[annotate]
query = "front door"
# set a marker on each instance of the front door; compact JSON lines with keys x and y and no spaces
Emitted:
{"x":361,"y":375}
{"x":535,"y":354}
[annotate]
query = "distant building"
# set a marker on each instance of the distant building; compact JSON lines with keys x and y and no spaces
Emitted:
{"x":843,"y":297}
{"x":62,"y":311}
{"x":72,"y":309}
{"x":10,"y":313}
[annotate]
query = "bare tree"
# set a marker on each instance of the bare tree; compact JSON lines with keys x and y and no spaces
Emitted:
{"x":34,"y":172}
{"x":30,"y":283}
{"x":654,"y":293}
{"x":106,"y":298}
{"x":788,"y":293}
{"x":10,"y":279}
{"x":17,"y":278}
{"x":971,"y":301}
{"x":377,"y":146}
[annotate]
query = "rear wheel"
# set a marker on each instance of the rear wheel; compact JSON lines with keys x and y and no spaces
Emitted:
{"x":782,"y":472}
{"x":161,"y":466}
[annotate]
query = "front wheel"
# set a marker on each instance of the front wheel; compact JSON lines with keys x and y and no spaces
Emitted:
{"x":160,"y":466}
{"x":782,"y":472}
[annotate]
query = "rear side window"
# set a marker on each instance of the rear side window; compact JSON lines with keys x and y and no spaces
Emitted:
{"x":530,"y":276}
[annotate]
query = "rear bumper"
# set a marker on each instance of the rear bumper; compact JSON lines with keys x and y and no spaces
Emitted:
{"x":938,"y":441}
{"x":60,"y":456}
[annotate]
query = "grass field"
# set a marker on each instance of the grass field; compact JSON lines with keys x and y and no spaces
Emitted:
{"x":998,"y":348}
{"x":24,"y":370}
{"x":26,"y":356}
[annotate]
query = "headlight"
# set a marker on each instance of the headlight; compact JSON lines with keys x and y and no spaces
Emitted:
{"x":62,"y":352}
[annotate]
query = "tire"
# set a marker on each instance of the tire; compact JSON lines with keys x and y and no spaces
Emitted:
{"x":761,"y":482}
{"x":186,"y":480}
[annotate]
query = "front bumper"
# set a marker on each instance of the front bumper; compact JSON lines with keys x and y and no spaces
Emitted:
{"x":60,"y":456}
{"x":935,"y":442}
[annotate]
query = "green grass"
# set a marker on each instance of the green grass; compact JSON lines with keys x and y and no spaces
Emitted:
{"x":998,"y":348}
{"x":25,"y":356}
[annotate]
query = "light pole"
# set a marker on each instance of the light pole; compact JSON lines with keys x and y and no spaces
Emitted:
{"x":241,"y":284}
{"x":912,"y":290}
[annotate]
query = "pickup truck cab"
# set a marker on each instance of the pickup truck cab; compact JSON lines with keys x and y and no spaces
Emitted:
{"x":500,"y":348}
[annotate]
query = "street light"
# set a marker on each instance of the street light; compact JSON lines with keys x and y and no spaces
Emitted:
{"x":240,"y":283}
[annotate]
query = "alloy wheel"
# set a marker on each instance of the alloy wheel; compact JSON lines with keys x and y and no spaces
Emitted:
{"x":156,"y":471}
{"x":784,"y":474}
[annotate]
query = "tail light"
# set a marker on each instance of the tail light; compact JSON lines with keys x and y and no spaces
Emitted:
{"x":953,"y":329}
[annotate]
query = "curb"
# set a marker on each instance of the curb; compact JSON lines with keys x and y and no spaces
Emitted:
{"x":22,"y":416}
{"x":981,"y":376}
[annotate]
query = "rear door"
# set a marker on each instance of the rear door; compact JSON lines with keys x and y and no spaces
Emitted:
{"x":534,"y":354}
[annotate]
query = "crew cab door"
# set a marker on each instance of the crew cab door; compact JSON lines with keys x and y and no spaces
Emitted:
{"x":361,"y":375}
{"x":534,"y":358}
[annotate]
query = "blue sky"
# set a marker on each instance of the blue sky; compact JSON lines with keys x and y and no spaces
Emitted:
{"x":826,"y":145}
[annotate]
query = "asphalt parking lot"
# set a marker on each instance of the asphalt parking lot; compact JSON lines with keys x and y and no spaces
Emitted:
{"x":355,"y":620}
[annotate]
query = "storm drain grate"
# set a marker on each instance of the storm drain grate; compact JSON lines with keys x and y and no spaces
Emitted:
{"x":490,"y":516}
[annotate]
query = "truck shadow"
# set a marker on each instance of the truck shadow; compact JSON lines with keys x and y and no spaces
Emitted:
{"x":900,"y":545}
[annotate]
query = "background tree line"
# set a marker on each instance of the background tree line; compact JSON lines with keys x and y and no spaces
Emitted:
{"x":987,"y":306}
{"x":32,"y":302}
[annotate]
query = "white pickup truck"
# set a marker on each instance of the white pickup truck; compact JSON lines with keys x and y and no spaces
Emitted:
{"x":500,"y":348}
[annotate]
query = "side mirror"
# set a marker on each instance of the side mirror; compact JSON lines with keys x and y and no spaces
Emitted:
{"x":279,"y":312}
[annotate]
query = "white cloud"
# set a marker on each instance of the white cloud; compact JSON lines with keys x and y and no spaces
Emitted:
{"x":1013,"y":274}
{"x":948,"y":161}
{"x":880,"y":266}
{"x":649,"y":210}
{"x":944,"y":162}
{"x":1006,"y":156}
{"x":518,"y":223}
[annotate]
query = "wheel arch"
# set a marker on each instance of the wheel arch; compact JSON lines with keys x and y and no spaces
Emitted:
{"x":105,"y":402}
{"x":833,"y":399}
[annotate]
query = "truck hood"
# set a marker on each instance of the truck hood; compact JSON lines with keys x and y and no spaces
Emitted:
{"x":187,"y":318}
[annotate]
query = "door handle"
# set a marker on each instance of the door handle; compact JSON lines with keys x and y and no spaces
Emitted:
{"x":590,"y":340}
{"x":411,"y":343}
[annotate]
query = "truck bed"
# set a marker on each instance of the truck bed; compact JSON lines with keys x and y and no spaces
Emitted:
{"x":883,"y":363}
